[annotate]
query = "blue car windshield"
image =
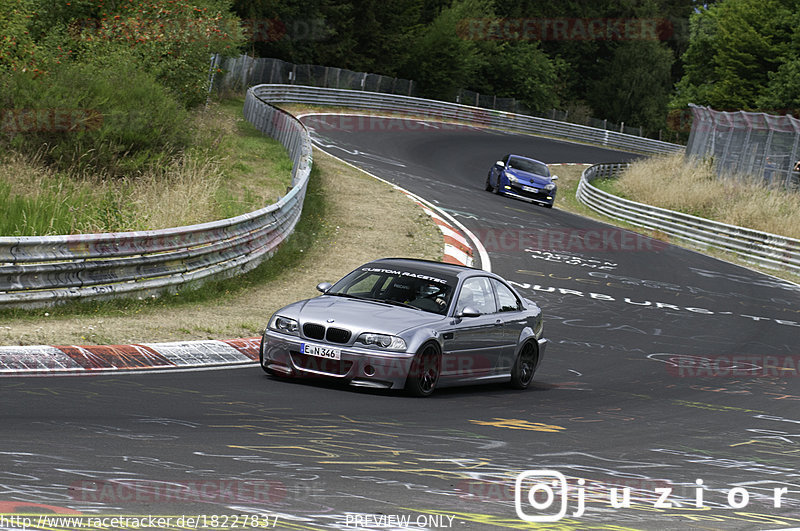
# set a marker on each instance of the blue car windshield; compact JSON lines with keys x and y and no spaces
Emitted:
{"x":530,"y":166}
{"x":427,"y":292}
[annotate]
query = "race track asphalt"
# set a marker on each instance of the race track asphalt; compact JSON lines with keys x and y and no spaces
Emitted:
{"x":668,"y":372}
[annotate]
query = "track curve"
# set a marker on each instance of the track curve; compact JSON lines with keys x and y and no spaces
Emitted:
{"x":666,"y":368}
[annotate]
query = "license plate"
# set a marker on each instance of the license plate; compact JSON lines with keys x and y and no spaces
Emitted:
{"x":321,"y":352}
{"x":530,"y":189}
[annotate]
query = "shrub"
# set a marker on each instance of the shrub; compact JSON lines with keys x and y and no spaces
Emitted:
{"x":109,"y":116}
{"x":171,"y":39}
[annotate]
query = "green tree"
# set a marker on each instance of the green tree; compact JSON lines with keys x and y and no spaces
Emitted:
{"x":18,"y":50}
{"x":441,"y":60}
{"x":298,"y":31}
{"x":104,"y":84}
{"x":520,"y":70}
{"x":636,"y":85}
{"x":735,"y":45}
{"x":363,"y":35}
{"x":782,"y":93}
{"x":171,"y":39}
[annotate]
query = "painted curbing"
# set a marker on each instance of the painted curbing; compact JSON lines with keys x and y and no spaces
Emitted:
{"x":78,"y":359}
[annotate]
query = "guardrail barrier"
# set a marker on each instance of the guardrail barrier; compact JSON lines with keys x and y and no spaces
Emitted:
{"x":762,"y":248}
{"x":440,"y":110}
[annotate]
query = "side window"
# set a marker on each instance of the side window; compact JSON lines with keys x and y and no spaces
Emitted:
{"x":505,"y":159}
{"x":477,"y":292}
{"x":505,"y":297}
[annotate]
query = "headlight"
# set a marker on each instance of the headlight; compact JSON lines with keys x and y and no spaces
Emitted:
{"x":284,"y":324}
{"x":383,"y":341}
{"x":550,"y":186}
{"x":511,"y":178}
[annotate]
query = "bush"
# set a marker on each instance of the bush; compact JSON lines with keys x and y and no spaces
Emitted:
{"x":109,"y":116}
{"x":171,"y":39}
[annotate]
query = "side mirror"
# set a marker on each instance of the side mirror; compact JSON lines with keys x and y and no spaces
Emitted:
{"x":500,"y":163}
{"x":554,"y":178}
{"x":469,"y":311}
{"x":324,"y":287}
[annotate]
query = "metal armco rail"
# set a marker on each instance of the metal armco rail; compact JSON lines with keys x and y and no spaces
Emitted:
{"x":42,"y":271}
{"x":762,"y":248}
{"x":374,"y":101}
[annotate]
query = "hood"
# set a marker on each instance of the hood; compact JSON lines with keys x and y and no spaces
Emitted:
{"x":529,"y":177}
{"x":359,"y":316}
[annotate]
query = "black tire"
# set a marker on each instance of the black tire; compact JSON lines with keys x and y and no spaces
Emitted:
{"x":425,"y":369}
{"x":548,"y":205}
{"x":488,"y":186}
{"x":525,"y":366}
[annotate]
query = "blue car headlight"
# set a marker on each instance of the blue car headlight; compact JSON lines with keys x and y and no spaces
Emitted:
{"x":550,"y":186}
{"x":511,"y":178}
{"x":383,"y":341}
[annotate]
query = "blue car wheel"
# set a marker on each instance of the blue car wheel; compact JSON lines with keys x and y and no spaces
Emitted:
{"x":489,"y":187}
{"x":499,"y":185}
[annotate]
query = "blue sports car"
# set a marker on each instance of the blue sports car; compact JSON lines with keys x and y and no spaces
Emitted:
{"x":523,"y":178}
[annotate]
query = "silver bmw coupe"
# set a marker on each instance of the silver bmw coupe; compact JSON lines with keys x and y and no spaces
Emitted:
{"x":413,"y":324}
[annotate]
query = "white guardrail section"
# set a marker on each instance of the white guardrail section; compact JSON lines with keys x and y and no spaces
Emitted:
{"x":762,"y":248}
{"x":439,"y":110}
{"x":42,"y":271}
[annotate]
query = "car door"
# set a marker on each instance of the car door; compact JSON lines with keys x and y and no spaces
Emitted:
{"x":509,"y":309}
{"x":472,"y":345}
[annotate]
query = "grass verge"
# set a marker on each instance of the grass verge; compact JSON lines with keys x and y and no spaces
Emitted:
{"x":693,"y":187}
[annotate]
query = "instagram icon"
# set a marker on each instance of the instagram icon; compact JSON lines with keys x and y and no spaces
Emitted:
{"x":535,"y":493}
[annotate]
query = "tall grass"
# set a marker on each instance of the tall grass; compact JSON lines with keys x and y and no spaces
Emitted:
{"x":230,"y":169}
{"x":693,"y":187}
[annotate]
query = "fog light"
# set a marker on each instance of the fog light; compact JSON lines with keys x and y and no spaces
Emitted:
{"x":369,"y":370}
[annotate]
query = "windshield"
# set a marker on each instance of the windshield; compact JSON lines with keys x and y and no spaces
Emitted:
{"x":430,"y":293}
{"x":530,"y":166}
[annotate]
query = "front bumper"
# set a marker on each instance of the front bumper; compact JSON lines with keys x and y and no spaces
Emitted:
{"x":362,"y":367}
{"x":543,"y":197}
